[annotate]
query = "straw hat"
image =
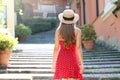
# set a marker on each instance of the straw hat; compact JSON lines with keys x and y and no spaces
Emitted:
{"x":68,"y":16}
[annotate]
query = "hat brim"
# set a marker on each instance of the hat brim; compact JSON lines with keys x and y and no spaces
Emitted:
{"x":76,"y":18}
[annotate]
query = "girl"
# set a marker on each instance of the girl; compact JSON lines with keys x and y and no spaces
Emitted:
{"x":67,"y":57}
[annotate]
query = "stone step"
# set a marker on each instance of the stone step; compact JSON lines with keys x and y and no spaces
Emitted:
{"x":32,"y":59}
{"x":50,"y":60}
{"x":49,"y":66}
{"x":29,"y":71}
{"x":87,"y":55}
{"x":29,"y":62}
{"x":105,"y":59}
{"x":86,"y":60}
{"x":50,"y":55}
{"x":101,"y":57}
{"x":32,"y":54}
{"x":106,"y":62}
{"x":15,"y":77}
{"x":35,"y":55}
{"x":86,"y":66}
{"x":30,"y":66}
{"x":37,"y":63}
{"x":50,"y":76}
{"x":102,"y":75}
{"x":89,"y":59}
{"x":51,"y":52}
{"x":92,"y":57}
{"x":104,"y":70}
{"x":25,"y":76}
{"x":102,"y":66}
{"x":101,"y":52}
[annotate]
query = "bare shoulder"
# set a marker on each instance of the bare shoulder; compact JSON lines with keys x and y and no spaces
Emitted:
{"x":57,"y":31}
{"x":77,"y":30}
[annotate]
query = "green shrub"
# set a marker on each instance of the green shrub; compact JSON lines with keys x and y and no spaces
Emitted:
{"x":88,"y":32}
{"x":22,"y":31}
{"x":39,"y":24}
{"x":7,"y":42}
{"x":40,"y":27}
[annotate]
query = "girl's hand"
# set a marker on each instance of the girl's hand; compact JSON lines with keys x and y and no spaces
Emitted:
{"x":53,"y":67}
{"x":81,"y":69}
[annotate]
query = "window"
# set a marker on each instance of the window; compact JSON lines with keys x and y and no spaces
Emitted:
{"x":97,"y":8}
{"x":109,"y":7}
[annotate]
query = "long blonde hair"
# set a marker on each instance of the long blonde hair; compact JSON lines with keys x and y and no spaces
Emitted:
{"x":66,"y":32}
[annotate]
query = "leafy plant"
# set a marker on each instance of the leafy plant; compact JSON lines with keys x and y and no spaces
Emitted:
{"x":7,"y":42}
{"x":22,"y":31}
{"x":39,"y":24}
{"x":19,"y":8}
{"x":88,"y":32}
{"x":116,"y":1}
{"x":71,"y":1}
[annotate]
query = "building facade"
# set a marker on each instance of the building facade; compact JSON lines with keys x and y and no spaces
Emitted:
{"x":100,"y":13}
{"x":39,"y":8}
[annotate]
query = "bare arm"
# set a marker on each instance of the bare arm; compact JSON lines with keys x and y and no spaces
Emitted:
{"x":79,"y":46}
{"x":56,"y":47}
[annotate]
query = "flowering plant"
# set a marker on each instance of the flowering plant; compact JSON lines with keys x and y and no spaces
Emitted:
{"x":7,"y":42}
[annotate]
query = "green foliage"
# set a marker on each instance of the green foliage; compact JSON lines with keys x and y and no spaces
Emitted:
{"x":18,"y":5}
{"x":88,"y":32}
{"x":71,"y":1}
{"x":7,"y":42}
{"x":22,"y":31}
{"x":39,"y":24}
{"x":116,"y":1}
{"x":40,"y":27}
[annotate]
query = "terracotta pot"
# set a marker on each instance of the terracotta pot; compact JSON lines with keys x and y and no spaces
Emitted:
{"x":4,"y":57}
{"x":88,"y":45}
{"x":22,"y":39}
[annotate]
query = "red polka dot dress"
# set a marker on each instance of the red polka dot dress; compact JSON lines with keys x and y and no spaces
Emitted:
{"x":67,"y":65}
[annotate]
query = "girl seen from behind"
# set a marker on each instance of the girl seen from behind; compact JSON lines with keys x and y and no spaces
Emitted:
{"x":67,"y":57}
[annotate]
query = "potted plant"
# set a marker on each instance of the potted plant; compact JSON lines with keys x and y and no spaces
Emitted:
{"x":88,"y":36}
{"x":21,"y":31}
{"x":116,"y":2}
{"x":7,"y":44}
{"x":116,"y":12}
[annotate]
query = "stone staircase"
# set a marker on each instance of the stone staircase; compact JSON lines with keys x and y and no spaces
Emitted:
{"x":33,"y":62}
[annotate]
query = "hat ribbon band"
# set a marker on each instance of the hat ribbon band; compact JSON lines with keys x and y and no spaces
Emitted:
{"x":69,"y":19}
